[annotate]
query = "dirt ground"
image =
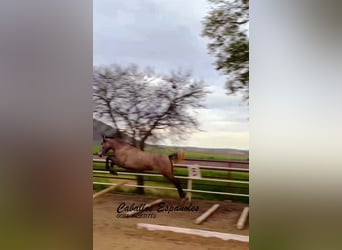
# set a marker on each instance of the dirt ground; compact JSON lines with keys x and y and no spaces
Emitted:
{"x":110,"y":232}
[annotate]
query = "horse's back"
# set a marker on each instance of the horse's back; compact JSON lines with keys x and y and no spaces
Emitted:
{"x":134,"y":158}
{"x":154,"y":161}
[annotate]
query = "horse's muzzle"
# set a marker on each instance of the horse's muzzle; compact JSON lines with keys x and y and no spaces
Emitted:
{"x":99,"y":154}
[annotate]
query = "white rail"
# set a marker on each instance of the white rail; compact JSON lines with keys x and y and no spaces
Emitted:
{"x":189,"y":189}
{"x":177,"y":176}
{"x":202,"y":166}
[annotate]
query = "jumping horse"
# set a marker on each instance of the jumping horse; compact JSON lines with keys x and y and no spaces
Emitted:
{"x":132,"y":158}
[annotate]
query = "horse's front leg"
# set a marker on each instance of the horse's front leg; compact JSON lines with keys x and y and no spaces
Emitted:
{"x":110,"y":165}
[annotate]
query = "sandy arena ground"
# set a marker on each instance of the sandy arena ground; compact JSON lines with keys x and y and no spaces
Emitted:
{"x":110,"y":232}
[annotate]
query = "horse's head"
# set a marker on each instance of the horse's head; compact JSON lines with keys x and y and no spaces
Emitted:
{"x":105,"y":146}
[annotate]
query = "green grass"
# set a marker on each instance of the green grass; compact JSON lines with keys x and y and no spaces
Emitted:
{"x":206,"y":156}
{"x":197,"y":184}
{"x":96,"y":149}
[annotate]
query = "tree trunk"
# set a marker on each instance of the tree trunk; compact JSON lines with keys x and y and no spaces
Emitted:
{"x":140,"y":179}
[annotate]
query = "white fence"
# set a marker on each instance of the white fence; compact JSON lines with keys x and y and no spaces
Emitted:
{"x":188,"y":178}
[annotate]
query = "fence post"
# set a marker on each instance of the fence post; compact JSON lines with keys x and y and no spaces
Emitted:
{"x":193,"y":173}
{"x":229,"y":177}
{"x":189,"y":188}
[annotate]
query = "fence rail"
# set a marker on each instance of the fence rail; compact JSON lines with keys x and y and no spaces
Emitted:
{"x":182,"y":165}
{"x":189,"y":179}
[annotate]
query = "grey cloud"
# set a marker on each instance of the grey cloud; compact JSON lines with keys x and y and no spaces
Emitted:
{"x":147,"y":33}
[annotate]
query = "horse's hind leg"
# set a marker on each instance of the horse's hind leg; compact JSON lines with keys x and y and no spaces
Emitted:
{"x":177,"y":185}
{"x":110,"y":165}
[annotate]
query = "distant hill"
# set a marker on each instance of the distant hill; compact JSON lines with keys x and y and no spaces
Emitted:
{"x":100,"y":128}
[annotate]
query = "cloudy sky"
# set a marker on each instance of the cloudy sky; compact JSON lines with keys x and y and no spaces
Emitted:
{"x":165,"y":35}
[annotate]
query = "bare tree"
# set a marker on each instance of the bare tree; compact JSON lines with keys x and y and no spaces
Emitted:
{"x":145,"y":105}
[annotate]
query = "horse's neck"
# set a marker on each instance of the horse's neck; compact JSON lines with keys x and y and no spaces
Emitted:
{"x":116,"y":145}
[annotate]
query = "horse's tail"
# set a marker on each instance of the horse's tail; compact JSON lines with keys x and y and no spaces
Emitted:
{"x":173,"y":157}
{"x":177,"y":157}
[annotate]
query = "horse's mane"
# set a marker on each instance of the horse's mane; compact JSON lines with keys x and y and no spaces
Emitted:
{"x":120,"y":140}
